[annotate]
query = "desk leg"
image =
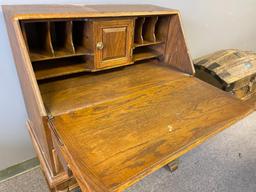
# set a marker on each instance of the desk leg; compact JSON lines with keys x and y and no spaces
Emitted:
{"x":66,"y":187}
{"x":173,"y":166}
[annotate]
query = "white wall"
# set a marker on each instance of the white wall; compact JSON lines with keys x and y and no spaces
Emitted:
{"x":209,"y":25}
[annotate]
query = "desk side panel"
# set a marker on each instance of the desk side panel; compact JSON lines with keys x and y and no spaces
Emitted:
{"x":33,"y":101}
{"x":176,"y":51}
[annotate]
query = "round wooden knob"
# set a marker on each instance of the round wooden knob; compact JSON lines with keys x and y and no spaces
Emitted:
{"x":99,"y":45}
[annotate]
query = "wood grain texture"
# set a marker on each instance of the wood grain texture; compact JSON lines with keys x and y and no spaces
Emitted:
{"x":129,"y":137}
{"x":145,"y":53}
{"x":59,"y":67}
{"x":116,"y":36}
{"x":176,"y":51}
{"x":138,"y":38}
{"x":69,"y":37}
{"x":61,"y":38}
{"x":147,"y":43}
{"x":111,"y":128}
{"x":34,"y":104}
{"x":60,"y":71}
{"x":149,"y":27}
{"x":162,"y":27}
{"x":81,"y":10}
{"x":38,"y":39}
{"x":67,"y":95}
{"x":51,"y":39}
{"x":53,"y":180}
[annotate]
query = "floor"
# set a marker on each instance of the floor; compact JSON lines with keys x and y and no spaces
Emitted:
{"x":225,"y":163}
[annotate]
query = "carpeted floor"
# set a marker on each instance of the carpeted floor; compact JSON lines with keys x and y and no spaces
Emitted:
{"x":225,"y":163}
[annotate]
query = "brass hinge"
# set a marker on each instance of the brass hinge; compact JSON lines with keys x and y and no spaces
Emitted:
{"x":49,"y":115}
{"x":53,"y":129}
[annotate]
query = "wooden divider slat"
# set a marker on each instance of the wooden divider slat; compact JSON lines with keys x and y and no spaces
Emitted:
{"x":161,"y":29}
{"x":38,"y":40}
{"x":49,"y":46}
{"x":148,"y":30}
{"x":161,"y":32}
{"x":138,"y":38}
{"x":69,"y":36}
{"x":77,"y":35}
{"x":61,"y":35}
{"x":23,"y":30}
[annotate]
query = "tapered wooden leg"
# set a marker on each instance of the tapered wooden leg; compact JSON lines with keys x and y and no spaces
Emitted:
{"x":173,"y":166}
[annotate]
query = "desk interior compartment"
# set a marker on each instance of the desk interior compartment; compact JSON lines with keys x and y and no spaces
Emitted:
{"x":82,"y":36}
{"x":60,"y":67}
{"x":148,"y":29}
{"x":38,"y":39}
{"x":145,"y":53}
{"x":150,"y":37}
{"x":151,"y":30}
{"x":61,"y":37}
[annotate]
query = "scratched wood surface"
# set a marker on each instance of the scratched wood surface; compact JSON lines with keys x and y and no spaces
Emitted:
{"x":123,"y":139}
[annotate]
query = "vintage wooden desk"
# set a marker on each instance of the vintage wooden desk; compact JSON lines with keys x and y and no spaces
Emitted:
{"x":110,"y":92}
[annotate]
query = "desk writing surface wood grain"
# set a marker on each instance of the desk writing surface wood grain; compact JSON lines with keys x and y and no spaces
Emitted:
{"x":128,"y":137}
{"x":74,"y":93}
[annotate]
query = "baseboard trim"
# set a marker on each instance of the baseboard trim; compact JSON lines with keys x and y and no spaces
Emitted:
{"x":18,"y":169}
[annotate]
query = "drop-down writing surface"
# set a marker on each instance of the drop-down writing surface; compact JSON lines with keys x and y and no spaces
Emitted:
{"x":124,"y":139}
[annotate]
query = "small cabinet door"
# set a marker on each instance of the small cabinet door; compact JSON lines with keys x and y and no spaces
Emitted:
{"x":113,"y":42}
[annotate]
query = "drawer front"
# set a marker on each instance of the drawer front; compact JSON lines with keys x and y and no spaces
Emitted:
{"x":113,"y":42}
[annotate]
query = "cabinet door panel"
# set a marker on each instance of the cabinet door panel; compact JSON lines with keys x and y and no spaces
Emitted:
{"x":113,"y":42}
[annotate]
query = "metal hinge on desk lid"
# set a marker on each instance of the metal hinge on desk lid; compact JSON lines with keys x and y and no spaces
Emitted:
{"x":49,"y":115}
{"x":52,"y":127}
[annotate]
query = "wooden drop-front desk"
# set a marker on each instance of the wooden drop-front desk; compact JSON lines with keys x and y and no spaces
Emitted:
{"x":110,"y":92}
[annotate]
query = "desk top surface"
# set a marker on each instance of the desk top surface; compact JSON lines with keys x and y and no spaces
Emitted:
{"x":80,"y":10}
